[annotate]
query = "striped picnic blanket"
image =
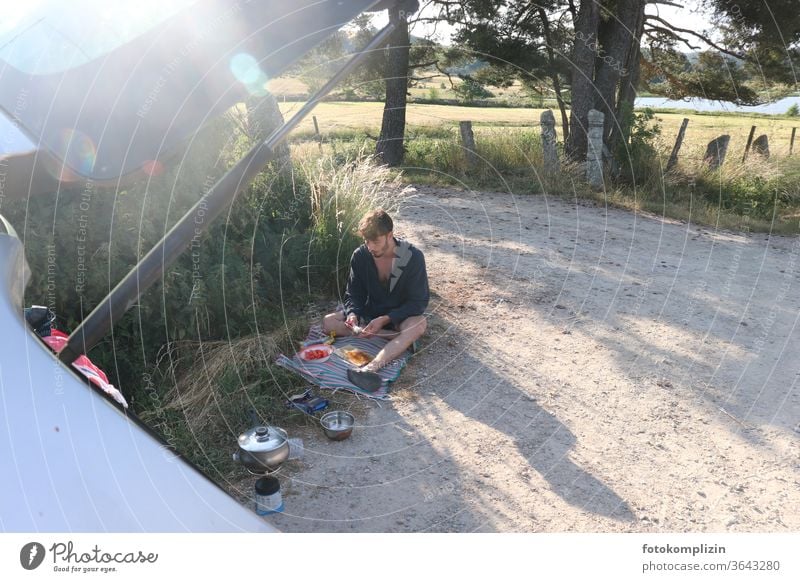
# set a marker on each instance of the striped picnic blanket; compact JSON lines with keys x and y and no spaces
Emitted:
{"x":332,"y":374}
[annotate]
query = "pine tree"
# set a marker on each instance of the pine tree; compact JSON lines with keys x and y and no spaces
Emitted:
{"x":599,"y":53}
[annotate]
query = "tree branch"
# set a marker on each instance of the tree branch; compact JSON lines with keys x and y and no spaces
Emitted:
{"x":446,"y":74}
{"x":422,"y":8}
{"x":422,"y":65}
{"x":573,"y":11}
{"x":672,"y":34}
{"x":702,"y":37}
{"x":414,"y":78}
{"x":522,"y":14}
{"x":436,"y":19}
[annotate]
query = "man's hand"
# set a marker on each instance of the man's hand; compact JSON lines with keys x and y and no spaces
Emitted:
{"x":351,"y":320}
{"x":376,"y":325}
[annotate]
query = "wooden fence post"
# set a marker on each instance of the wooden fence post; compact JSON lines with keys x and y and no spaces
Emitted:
{"x":316,"y":132}
{"x":791,"y":143}
{"x":468,"y":140}
{"x":749,"y":143}
{"x":673,"y":157}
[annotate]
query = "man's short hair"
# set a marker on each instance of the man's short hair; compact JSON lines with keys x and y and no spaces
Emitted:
{"x":374,"y":224}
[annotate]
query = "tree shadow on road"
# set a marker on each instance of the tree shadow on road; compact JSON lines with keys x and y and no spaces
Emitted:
{"x":498,"y":432}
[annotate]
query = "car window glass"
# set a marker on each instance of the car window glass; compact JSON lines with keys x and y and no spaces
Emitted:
{"x":50,"y":36}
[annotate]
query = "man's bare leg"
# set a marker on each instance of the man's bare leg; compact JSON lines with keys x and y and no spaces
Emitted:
{"x":367,"y":377}
{"x":335,"y":322}
{"x":411,"y":329}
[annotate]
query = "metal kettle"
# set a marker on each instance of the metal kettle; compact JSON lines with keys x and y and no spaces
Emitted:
{"x":262,"y":449}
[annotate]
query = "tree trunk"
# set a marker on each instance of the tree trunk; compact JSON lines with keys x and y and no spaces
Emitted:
{"x":617,"y":36}
{"x":263,"y":117}
{"x":630,"y":78}
{"x":551,"y":58}
{"x":390,"y":144}
{"x":583,"y":64}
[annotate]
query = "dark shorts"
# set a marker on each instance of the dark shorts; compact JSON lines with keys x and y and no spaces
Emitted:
{"x":388,"y":327}
{"x":364,"y":320}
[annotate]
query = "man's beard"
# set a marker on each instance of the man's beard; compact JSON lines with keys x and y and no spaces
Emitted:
{"x":382,"y":252}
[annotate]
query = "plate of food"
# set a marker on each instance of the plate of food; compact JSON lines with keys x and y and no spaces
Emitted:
{"x":355,"y":356}
{"x":316,"y":353}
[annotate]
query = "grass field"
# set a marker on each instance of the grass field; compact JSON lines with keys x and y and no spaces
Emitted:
{"x":703,"y":128}
{"x":508,"y":142}
{"x":365,"y":117}
{"x":435,"y":87}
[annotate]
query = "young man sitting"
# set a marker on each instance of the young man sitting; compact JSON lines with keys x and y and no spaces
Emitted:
{"x":386,"y":296}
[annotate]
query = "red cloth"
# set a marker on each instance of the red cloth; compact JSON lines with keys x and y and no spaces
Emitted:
{"x":58,"y":339}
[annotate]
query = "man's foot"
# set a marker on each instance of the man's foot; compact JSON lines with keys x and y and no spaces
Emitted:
{"x":364,"y":379}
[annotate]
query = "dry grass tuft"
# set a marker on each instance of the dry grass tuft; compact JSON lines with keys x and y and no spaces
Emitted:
{"x":199,"y":370}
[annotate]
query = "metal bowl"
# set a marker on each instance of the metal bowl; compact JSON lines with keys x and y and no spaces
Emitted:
{"x":337,"y":424}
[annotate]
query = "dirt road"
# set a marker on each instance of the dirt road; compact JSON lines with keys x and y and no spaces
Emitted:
{"x":586,"y":369}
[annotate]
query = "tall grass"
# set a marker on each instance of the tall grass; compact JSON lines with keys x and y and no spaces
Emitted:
{"x":502,"y":156}
{"x":341,"y":191}
{"x":758,"y":190}
{"x":763,"y":193}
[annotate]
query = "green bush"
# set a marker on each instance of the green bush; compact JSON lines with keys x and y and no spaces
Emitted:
{"x":501,"y":154}
{"x":511,"y":151}
{"x":443,"y":155}
{"x":638,"y":157}
{"x":469,"y":90}
{"x":756,"y":191}
{"x":794,"y":110}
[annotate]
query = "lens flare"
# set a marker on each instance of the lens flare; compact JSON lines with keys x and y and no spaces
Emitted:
{"x":247,"y":71}
{"x":245,"y":68}
{"x":153,"y":168}
{"x":77,"y":152}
